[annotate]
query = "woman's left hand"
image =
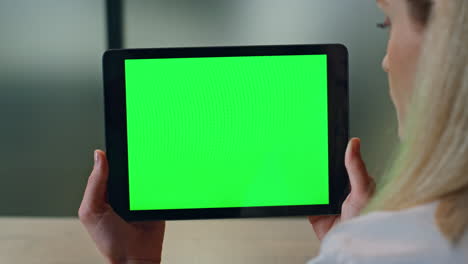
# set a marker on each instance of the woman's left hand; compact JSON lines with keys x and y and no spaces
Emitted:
{"x":118,"y":240}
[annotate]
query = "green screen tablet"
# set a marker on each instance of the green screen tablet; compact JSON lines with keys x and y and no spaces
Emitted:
{"x":226,"y":132}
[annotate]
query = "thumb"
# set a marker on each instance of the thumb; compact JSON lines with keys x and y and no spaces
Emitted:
{"x":361,"y":183}
{"x":94,"y":199}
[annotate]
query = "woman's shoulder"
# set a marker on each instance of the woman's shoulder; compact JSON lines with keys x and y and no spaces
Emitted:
{"x":407,"y":236}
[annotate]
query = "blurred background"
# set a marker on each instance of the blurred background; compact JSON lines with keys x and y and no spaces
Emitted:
{"x":51,"y":97}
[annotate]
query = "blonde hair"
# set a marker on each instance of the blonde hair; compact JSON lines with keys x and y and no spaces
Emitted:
{"x":431,"y":162}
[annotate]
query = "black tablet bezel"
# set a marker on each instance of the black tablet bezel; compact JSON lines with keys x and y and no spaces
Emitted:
{"x":116,"y":130}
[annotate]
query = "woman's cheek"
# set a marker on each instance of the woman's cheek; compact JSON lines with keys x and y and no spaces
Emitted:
{"x":394,"y":63}
{"x":402,"y":58}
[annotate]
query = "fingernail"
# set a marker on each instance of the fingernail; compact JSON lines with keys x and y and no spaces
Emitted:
{"x":357,"y":147}
{"x":96,"y":158}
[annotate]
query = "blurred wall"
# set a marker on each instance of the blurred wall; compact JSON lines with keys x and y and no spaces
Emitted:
{"x":50,"y":103}
{"x":50,"y":78}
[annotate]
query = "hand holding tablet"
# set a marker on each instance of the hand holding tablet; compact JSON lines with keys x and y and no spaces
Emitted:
{"x":226,"y":132}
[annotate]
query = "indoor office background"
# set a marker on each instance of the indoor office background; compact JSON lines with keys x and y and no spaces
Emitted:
{"x":51,"y":102}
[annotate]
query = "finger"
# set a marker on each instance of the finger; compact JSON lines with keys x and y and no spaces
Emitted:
{"x":322,"y":224}
{"x":358,"y":176}
{"x":313,"y":219}
{"x":94,"y":198}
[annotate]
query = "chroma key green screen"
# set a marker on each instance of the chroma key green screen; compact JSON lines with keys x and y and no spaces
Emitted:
{"x":227,"y":131}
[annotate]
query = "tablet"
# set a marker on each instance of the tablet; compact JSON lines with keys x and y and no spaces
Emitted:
{"x":226,"y":132}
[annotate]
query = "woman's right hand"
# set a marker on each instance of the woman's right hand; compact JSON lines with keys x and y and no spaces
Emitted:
{"x":362,"y":189}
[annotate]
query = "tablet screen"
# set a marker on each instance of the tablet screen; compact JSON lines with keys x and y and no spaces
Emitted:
{"x":215,"y":132}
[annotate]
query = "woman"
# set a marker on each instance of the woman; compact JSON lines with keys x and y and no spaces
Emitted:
{"x":422,"y":215}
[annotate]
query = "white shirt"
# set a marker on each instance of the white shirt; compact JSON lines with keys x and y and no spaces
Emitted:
{"x":409,"y":236}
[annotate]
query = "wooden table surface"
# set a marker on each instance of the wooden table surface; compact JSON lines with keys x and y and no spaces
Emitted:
{"x":239,"y":241}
